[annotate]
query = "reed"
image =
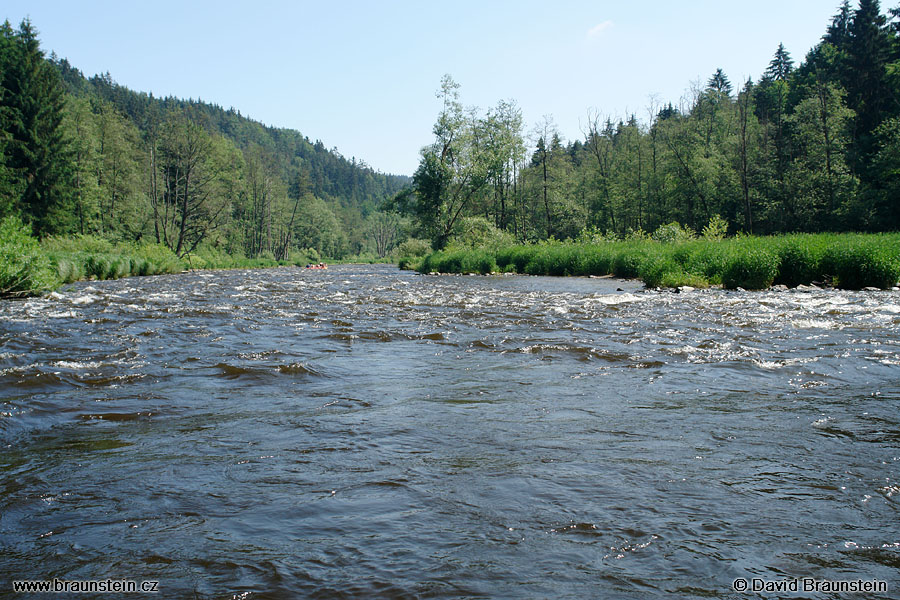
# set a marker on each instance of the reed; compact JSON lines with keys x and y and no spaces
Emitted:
{"x":851,"y":261}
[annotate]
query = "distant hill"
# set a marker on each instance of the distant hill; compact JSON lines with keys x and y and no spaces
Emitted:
{"x":351,"y":182}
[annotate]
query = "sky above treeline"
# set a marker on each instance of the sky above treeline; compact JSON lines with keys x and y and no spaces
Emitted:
{"x":361,"y":76}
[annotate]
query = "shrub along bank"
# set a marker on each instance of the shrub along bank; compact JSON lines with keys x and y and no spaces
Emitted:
{"x":29,"y":267}
{"x":850,"y":261}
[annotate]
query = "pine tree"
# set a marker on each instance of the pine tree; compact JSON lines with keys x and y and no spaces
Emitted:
{"x":781,"y":65}
{"x":868,"y":51}
{"x":719,"y":83}
{"x":9,"y":194}
{"x":37,"y":150}
{"x":838,"y":33}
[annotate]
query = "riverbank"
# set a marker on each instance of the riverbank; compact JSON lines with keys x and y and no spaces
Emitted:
{"x":29,"y":267}
{"x":849,"y":261}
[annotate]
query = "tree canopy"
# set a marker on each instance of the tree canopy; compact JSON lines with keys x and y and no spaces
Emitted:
{"x":808,"y":147}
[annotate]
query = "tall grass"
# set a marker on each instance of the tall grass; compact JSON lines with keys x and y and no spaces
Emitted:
{"x":29,"y":267}
{"x":24,"y":269}
{"x":851,"y":261}
{"x":90,"y":257}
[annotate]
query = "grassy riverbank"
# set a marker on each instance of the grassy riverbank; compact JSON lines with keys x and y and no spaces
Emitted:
{"x":851,"y":261}
{"x":29,"y":267}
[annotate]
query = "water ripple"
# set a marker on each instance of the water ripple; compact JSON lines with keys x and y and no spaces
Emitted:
{"x":365,"y":432}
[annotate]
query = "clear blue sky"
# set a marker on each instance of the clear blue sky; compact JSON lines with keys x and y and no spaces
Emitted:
{"x":361,"y":76}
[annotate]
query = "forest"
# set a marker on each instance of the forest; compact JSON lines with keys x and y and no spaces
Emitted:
{"x":87,"y":157}
{"x":808,"y":147}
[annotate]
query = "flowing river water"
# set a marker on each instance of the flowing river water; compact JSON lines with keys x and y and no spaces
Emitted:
{"x":366,"y":432}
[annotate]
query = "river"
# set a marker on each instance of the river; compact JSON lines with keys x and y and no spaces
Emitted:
{"x":365,"y":432}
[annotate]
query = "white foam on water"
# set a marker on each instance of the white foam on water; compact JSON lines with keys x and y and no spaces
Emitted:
{"x":86,"y":299}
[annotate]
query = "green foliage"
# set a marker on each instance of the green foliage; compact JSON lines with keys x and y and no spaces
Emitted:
{"x":659,"y":270}
{"x":301,"y":258}
{"x":860,"y":263}
{"x":636,"y":235}
{"x":414,"y":247}
{"x":593,"y":235}
{"x":90,"y":244}
{"x":752,"y":270}
{"x":478,"y":232}
{"x":91,"y":257}
{"x":411,"y":252}
{"x":471,"y":157}
{"x":716,"y":229}
{"x":312,"y":255}
{"x":207,"y":256}
{"x":24,"y":269}
{"x":157,"y":259}
{"x":800,"y":259}
{"x":37,"y":160}
{"x":460,"y":261}
{"x":317,"y":227}
{"x":852,"y":261}
{"x":672,"y":233}
{"x":806,"y":149}
{"x":628,"y":264}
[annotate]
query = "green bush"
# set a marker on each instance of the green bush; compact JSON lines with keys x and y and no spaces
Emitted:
{"x":593,"y":235}
{"x":749,"y":262}
{"x":139,"y":266}
{"x":159,"y":258}
{"x":753,"y":270}
{"x":414,"y":247}
{"x":459,"y":261}
{"x":313,"y":255}
{"x":673,"y":232}
{"x":627,"y":263}
{"x":478,"y":232}
{"x":410,"y":263}
{"x":68,"y":269}
{"x":716,"y":230}
{"x":544,"y":261}
{"x":206,"y":256}
{"x":658,"y":270}
{"x":25,"y":270}
{"x":515,"y":258}
{"x":410,"y":253}
{"x":636,"y":235}
{"x":597,"y":260}
{"x":858,"y":265}
{"x":800,"y":262}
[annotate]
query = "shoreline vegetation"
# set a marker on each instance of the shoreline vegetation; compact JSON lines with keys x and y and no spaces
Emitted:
{"x":102,"y":182}
{"x":672,"y":257}
{"x":842,"y":260}
{"x":31,"y":267}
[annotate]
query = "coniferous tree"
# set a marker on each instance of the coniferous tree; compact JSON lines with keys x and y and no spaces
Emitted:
{"x":781,"y":65}
{"x":838,"y":33}
{"x":868,"y":51}
{"x":37,"y":150}
{"x":719,"y":83}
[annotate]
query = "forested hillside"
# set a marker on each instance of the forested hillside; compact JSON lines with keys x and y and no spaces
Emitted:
{"x":807,"y":147}
{"x":87,"y":156}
